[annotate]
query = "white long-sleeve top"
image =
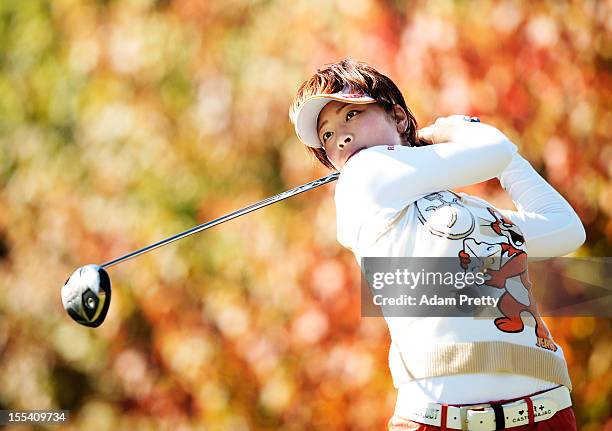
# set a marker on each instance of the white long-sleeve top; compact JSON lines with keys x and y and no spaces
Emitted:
{"x":380,"y":198}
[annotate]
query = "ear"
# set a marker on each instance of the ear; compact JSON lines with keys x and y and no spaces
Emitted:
{"x":401,"y":118}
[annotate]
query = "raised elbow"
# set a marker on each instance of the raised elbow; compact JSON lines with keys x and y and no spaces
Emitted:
{"x":579,"y":233}
{"x":573,"y":236}
{"x":509,"y":153}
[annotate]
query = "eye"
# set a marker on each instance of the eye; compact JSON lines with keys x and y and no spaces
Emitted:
{"x":349,"y":116}
{"x":326,"y":136}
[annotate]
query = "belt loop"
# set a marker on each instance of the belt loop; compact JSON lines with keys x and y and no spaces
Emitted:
{"x":500,"y":419}
{"x":530,"y":410}
{"x":443,"y":415}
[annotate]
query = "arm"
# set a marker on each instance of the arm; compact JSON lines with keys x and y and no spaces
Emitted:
{"x":394,"y":177}
{"x":550,"y":225}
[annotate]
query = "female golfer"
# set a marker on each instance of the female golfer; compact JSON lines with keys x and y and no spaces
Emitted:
{"x":393,"y":199}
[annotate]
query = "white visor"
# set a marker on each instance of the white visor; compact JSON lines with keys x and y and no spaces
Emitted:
{"x":308,"y":114}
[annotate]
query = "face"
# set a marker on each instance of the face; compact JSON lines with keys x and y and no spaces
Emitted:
{"x":345,"y":129}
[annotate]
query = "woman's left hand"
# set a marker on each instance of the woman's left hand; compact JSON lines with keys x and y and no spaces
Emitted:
{"x":444,"y":128}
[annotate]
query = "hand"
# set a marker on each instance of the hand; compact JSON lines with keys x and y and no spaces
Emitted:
{"x":444,"y":128}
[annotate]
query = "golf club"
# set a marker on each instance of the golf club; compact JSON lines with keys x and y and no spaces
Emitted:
{"x":86,"y":294}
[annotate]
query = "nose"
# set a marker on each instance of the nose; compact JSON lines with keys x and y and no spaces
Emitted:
{"x":345,"y":141}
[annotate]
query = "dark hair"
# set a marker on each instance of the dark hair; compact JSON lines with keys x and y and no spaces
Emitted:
{"x":359,"y":76}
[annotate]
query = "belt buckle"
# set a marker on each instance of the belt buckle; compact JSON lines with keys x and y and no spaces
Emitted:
{"x":472,"y":415}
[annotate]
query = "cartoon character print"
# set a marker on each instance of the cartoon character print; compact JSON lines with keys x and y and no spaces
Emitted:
{"x":505,"y":262}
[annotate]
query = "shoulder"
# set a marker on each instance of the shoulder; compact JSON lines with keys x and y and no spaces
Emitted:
{"x":374,"y":164}
{"x":377,"y":154}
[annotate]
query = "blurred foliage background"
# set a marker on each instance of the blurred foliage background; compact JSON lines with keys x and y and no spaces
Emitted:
{"x":123,"y":122}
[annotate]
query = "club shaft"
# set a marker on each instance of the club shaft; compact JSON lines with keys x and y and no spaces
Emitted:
{"x":263,"y":203}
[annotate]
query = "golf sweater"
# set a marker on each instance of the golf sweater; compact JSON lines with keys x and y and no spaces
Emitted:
{"x":395,"y":201}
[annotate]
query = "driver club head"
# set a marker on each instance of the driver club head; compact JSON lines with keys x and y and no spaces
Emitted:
{"x":86,"y":295}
